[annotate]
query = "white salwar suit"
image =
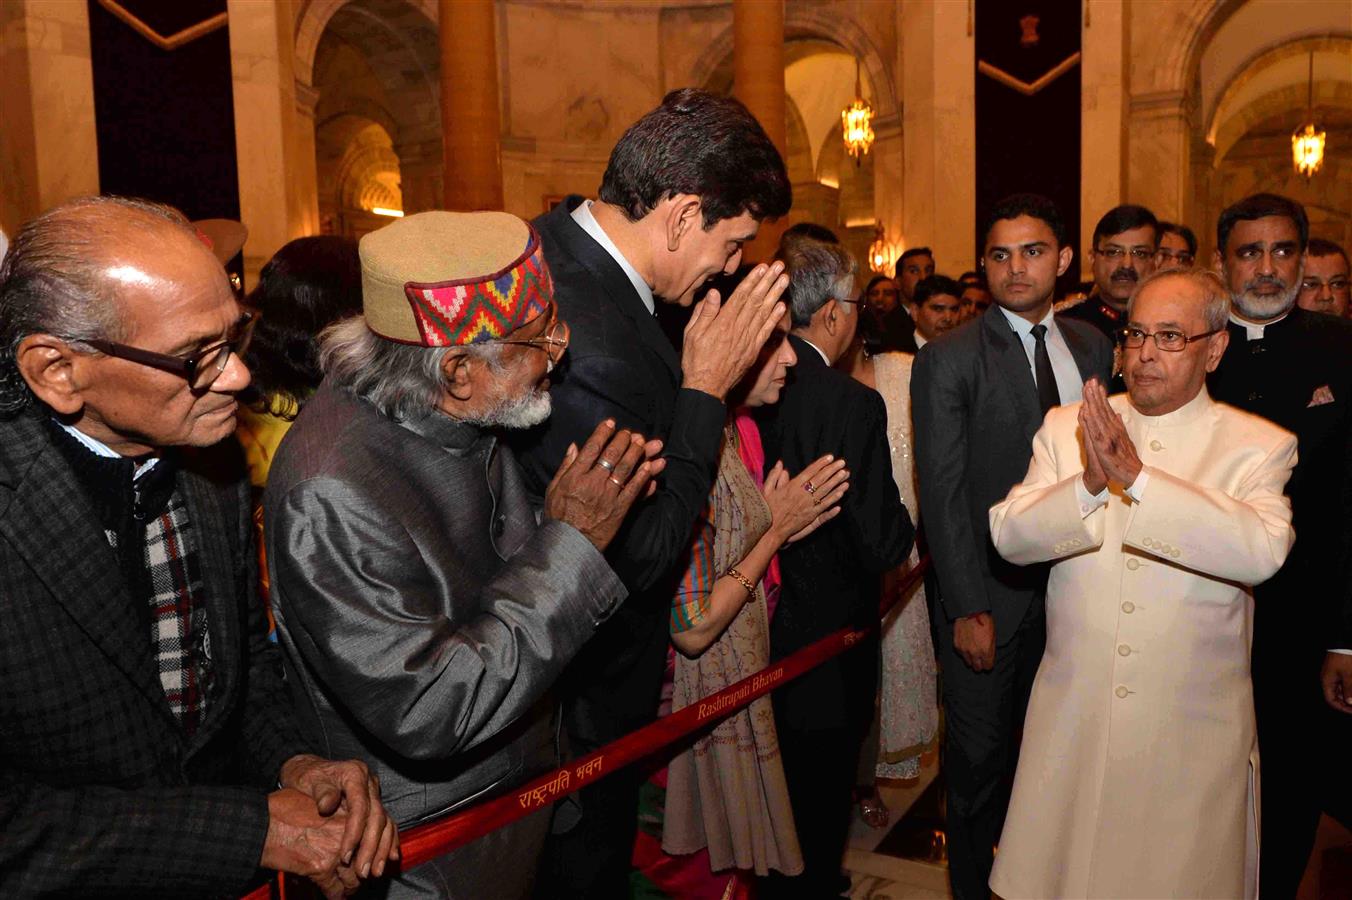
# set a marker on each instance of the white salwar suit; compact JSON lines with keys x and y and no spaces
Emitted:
{"x":1138,"y":768}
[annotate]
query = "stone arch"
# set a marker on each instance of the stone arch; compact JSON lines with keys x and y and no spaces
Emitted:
{"x":818,"y":24}
{"x":313,"y":21}
{"x":1228,"y":123}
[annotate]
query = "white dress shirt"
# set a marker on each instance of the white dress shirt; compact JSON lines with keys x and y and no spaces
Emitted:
{"x":919,"y":340}
{"x":1069,"y":384}
{"x":818,"y":349}
{"x":583,"y":216}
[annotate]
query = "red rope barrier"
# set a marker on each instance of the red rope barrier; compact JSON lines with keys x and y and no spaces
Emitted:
{"x":432,"y":839}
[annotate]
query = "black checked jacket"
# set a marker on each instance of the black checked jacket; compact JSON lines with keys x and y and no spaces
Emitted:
{"x":101,"y":793}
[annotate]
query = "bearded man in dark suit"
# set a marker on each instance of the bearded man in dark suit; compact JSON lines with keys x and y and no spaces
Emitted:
{"x":686,"y":187}
{"x":1291,"y":367}
{"x":147,"y":746}
{"x":978,"y":395}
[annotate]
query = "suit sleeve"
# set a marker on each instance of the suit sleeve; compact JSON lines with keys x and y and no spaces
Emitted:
{"x":1041,"y":518}
{"x":106,"y":842}
{"x":939,"y":407}
{"x":356,"y":601}
{"x":879,"y":525}
{"x":658,"y":529}
{"x":1242,"y":538}
{"x":269,"y":735}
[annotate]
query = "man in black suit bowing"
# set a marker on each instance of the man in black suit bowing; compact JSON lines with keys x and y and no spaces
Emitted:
{"x":1290,"y":366}
{"x":978,"y":395}
{"x":830,"y":579}
{"x":686,"y":187}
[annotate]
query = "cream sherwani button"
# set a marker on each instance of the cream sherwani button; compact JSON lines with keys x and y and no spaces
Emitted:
{"x":1156,"y":446}
{"x":1128,"y":606}
{"x":1123,"y":650}
{"x":1174,"y":553}
{"x":1121,"y":692}
{"x":1133,"y":563}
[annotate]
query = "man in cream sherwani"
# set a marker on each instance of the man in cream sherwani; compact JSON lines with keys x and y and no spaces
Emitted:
{"x":1158,"y":509}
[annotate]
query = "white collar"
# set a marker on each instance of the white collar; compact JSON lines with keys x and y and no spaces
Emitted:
{"x":1023,"y":328}
{"x":583,"y":217}
{"x":99,"y":448}
{"x":1253,"y":331}
{"x":920,"y":339}
{"x":819,"y":350}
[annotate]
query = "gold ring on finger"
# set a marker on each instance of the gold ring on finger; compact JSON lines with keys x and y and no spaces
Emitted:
{"x":807,"y":486}
{"x":615,"y":481}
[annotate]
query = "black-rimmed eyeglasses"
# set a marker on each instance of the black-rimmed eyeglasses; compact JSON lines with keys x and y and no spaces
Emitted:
{"x":1167,"y":340}
{"x":202,"y":368}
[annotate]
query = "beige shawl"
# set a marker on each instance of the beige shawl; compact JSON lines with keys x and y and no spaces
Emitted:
{"x":728,"y":792}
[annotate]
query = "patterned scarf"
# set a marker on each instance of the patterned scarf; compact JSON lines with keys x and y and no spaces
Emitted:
{"x":146,"y":524}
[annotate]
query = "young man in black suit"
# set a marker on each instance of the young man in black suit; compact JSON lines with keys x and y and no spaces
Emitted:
{"x":148,"y":746}
{"x":686,"y":187}
{"x":1290,"y":366}
{"x":978,"y":395}
{"x":830,"y":579}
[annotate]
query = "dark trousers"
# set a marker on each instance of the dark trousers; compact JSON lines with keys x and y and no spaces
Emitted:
{"x":983,"y":719}
{"x":821,"y":736}
{"x":1304,"y":747}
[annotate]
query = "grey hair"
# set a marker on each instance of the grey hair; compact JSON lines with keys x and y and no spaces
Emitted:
{"x":1215,"y":293}
{"x":404,"y":381}
{"x":816,"y":273}
{"x":50,"y":281}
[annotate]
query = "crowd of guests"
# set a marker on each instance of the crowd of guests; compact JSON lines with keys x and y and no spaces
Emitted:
{"x":421,"y":517}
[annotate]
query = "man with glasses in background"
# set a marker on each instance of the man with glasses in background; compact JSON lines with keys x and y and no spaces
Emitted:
{"x":1177,"y":249}
{"x":1325,"y":287}
{"x":1290,"y":366}
{"x":1123,"y":253}
{"x":149,"y":747}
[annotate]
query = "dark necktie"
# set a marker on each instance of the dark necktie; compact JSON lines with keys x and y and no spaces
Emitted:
{"x":1047,"y":394}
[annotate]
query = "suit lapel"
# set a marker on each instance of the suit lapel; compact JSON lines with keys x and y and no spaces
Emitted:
{"x":1009,"y":358}
{"x":211,"y":529}
{"x":1080,"y":351}
{"x":50,"y":522}
{"x":603,"y":267}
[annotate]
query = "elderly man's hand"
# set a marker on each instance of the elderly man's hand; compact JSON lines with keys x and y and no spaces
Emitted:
{"x":1336,"y":679}
{"x":301,"y":841}
{"x":347,"y":787}
{"x":721,"y":343}
{"x":595,"y":487}
{"x":1116,"y":451}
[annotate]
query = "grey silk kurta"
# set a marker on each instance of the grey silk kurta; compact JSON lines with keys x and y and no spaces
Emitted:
{"x":425,"y":616}
{"x":1139,"y":759}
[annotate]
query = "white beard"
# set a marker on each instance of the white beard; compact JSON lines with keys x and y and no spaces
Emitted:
{"x":522,"y":412}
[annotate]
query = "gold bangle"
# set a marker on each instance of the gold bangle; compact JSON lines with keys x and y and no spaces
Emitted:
{"x":743,"y":581}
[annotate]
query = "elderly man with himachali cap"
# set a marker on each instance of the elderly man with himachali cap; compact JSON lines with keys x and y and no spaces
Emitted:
{"x":424,"y":610}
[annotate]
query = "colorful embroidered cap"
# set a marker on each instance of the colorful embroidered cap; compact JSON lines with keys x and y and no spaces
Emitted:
{"x":445,"y":279}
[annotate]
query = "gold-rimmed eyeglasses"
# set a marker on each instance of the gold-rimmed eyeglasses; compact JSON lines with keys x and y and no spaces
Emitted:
{"x":553,"y":342}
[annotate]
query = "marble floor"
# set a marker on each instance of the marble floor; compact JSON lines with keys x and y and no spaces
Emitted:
{"x":896,"y":862}
{"x":899,"y":862}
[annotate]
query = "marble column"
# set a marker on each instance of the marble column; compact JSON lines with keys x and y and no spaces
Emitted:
{"x":470,"y":125}
{"x":274,"y":132}
{"x":758,"y":81}
{"x":1160,"y":158}
{"x":48,"y":145}
{"x":939,"y":133}
{"x":1104,"y":105}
